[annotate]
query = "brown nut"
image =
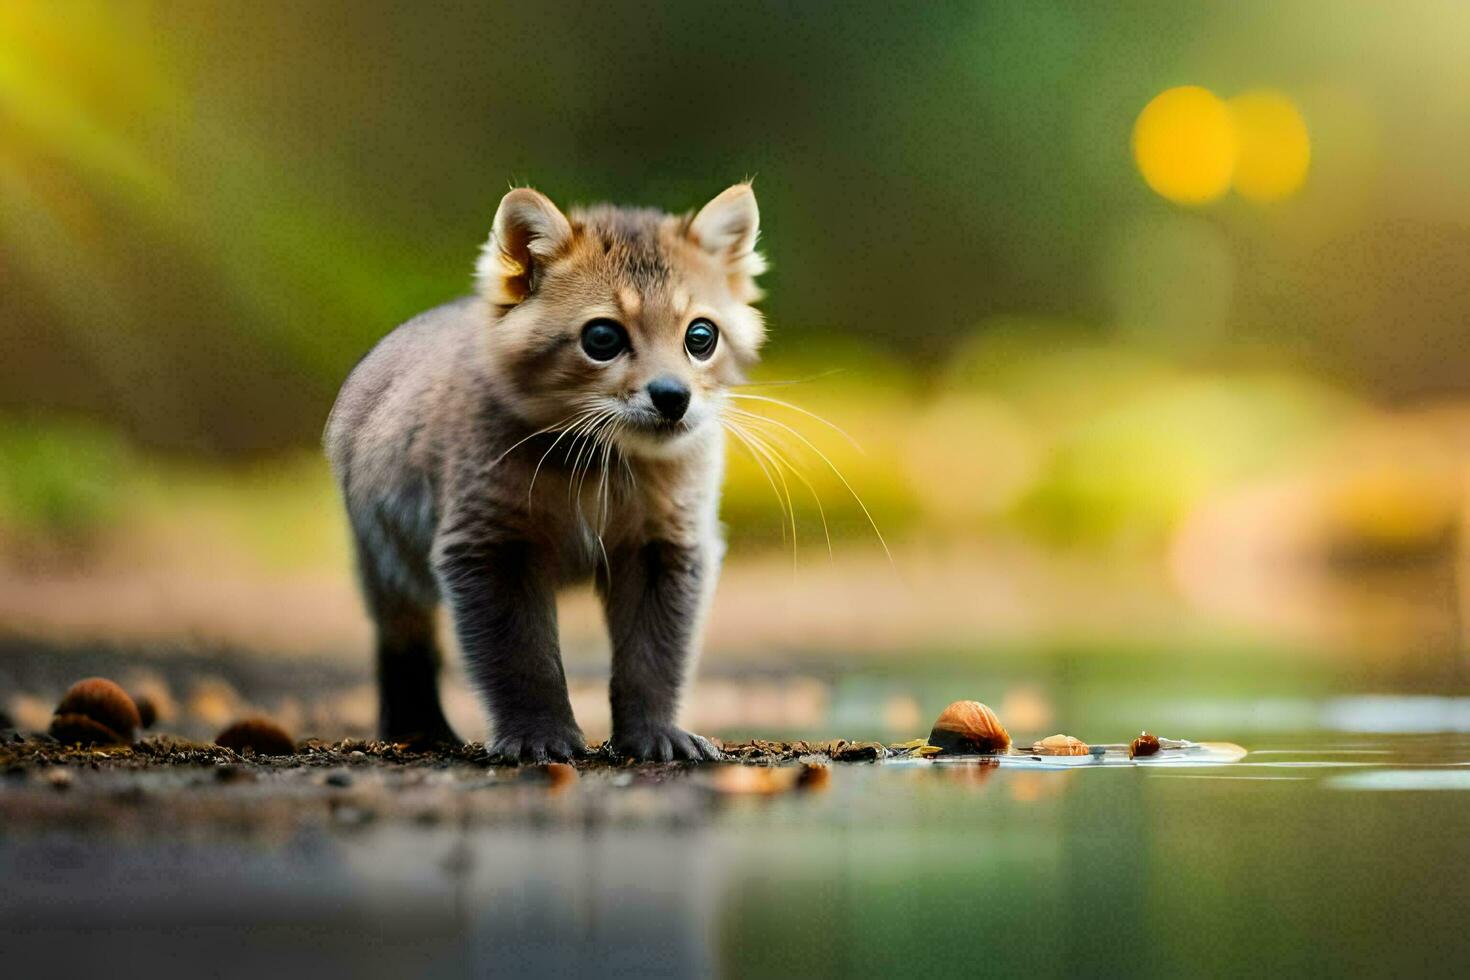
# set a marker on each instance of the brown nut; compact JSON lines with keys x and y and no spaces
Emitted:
{"x":1144,"y":744}
{"x":1060,"y":745}
{"x":105,"y":703}
{"x":75,"y":729}
{"x":970,"y":728}
{"x":259,"y":734}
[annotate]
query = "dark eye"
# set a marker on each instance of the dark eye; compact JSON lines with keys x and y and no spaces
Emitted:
{"x":700,"y":339}
{"x":603,"y":340}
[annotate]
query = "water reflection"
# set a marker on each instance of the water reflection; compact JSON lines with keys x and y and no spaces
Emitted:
{"x":1152,"y":870}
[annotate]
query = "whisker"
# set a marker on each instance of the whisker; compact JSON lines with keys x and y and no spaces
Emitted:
{"x":779,"y":465}
{"x":592,"y":442}
{"x":585,"y":440}
{"x":539,"y":432}
{"x":589,"y":449}
{"x":599,"y":438}
{"x":797,"y":472}
{"x":628,"y":471}
{"x":597,"y":491}
{"x":809,"y":414}
{"x":612,"y":450}
{"x":581,"y":420}
{"x":791,"y":381}
{"x":606,"y":506}
{"x":549,"y":449}
{"x":753,"y":417}
{"x":761,"y":456}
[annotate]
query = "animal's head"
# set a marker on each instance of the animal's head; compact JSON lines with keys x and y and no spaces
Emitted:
{"x":636,"y":320}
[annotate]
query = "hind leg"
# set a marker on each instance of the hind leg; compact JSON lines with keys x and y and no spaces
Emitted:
{"x":408,"y":655}
{"x":390,"y":535}
{"x":408,"y":676}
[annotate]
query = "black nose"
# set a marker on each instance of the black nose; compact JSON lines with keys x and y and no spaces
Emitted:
{"x":670,"y":396}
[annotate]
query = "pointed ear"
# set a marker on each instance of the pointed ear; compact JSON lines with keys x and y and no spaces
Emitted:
{"x":727,"y":228}
{"x":528,"y":232}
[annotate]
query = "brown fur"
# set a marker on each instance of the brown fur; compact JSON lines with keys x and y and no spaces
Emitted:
{"x":462,"y":481}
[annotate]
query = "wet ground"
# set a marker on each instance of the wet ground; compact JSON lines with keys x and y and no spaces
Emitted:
{"x":1321,"y":856}
{"x":1335,"y":846}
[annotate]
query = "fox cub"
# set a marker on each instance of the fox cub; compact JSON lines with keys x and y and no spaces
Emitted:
{"x":562,"y":424}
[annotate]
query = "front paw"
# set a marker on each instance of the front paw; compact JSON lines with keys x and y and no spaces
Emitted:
{"x":664,"y":743}
{"x":539,"y":743}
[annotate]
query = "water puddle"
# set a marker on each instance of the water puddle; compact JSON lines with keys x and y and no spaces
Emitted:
{"x":1100,"y":757}
{"x":1404,"y":780}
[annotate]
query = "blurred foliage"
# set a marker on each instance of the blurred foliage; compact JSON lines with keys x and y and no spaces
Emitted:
{"x":58,"y":480}
{"x":210,"y":211}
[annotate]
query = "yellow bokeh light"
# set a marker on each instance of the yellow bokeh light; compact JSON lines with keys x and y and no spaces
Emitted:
{"x":1274,"y":148}
{"x":1185,"y":144}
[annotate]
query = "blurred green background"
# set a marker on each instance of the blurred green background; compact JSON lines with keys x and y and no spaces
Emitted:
{"x":1193,"y":370}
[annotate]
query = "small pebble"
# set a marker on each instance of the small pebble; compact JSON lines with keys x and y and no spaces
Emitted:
{"x":338,"y":779}
{"x":860,"y":752}
{"x":59,"y":778}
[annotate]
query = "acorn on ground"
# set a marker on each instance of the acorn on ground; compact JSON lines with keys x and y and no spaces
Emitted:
{"x":1061,"y":745}
{"x":81,"y":730}
{"x":258,"y":734}
{"x":1144,"y":744}
{"x":970,"y":728}
{"x":96,"y":711}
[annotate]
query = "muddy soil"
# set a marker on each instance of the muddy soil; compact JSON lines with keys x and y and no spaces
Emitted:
{"x":165,"y":778}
